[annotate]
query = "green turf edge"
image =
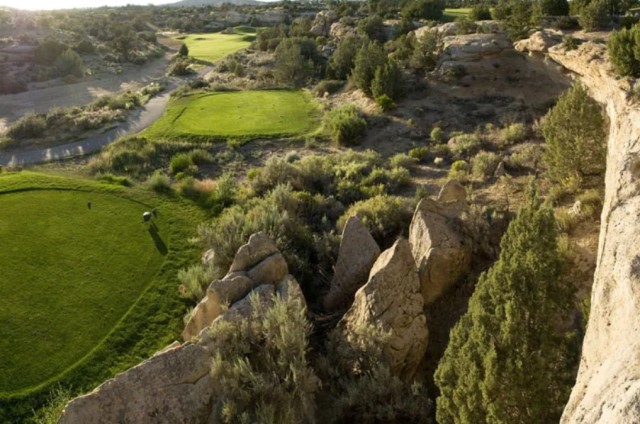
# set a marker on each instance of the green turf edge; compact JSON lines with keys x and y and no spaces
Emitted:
{"x":314,"y":129}
{"x":152,"y":322}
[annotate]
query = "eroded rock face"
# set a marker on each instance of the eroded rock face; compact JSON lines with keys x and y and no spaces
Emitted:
{"x":438,"y":247}
{"x":171,"y":387}
{"x":452,"y":191}
{"x":322,"y":23}
{"x":358,"y":252}
{"x":256,"y":263}
{"x":391,"y":300}
{"x":608,"y":384}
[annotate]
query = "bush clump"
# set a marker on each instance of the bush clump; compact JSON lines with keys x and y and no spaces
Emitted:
{"x":345,"y":124}
{"x":624,"y":51}
{"x":484,"y":164}
{"x":29,"y":126}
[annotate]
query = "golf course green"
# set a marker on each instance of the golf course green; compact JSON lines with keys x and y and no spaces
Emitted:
{"x":211,"y":47}
{"x":241,"y":114}
{"x":88,"y":287}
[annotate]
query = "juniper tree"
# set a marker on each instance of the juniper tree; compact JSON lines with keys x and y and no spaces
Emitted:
{"x":575,"y":132}
{"x":509,"y":358}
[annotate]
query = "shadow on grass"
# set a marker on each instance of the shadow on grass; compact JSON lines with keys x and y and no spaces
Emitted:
{"x":157,"y":240}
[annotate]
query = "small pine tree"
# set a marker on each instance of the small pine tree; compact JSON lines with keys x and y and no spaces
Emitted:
{"x":184,"y":50}
{"x":575,"y":132}
{"x":369,"y":58}
{"x":509,"y":360}
{"x":624,"y":51}
{"x":387,"y":81}
{"x":594,"y":15}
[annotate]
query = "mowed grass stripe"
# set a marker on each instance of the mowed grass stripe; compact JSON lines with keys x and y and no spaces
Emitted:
{"x":211,"y":47}
{"x":242,"y":114}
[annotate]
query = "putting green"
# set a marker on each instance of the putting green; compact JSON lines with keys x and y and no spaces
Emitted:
{"x":211,"y":47}
{"x":87,"y":288}
{"x":242,"y":114}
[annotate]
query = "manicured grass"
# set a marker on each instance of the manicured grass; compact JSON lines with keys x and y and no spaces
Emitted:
{"x":85,"y":292}
{"x":242,"y":114}
{"x":452,"y":14}
{"x":211,"y":47}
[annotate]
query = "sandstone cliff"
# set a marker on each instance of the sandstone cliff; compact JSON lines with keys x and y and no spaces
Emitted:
{"x":608,"y":385}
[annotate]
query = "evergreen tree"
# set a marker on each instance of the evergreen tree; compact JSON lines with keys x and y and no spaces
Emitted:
{"x":369,"y":58}
{"x":387,"y":81}
{"x":509,"y":360}
{"x":342,"y":60}
{"x":184,"y":51}
{"x":576,"y":133}
{"x":624,"y":51}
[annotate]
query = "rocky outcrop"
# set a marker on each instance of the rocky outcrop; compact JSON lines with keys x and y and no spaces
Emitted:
{"x":256,"y":263}
{"x":341,"y":30}
{"x":171,"y":387}
{"x":174,"y":386}
{"x":391,"y":300}
{"x":358,"y":252}
{"x":608,"y":384}
{"x":322,"y":22}
{"x":438,"y":247}
{"x":452,"y":191}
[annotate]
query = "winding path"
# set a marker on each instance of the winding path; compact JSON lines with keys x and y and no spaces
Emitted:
{"x":136,"y":122}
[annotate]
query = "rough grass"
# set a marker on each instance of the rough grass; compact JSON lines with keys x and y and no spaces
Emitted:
{"x":211,"y":47}
{"x":85,"y":293}
{"x":242,"y":114}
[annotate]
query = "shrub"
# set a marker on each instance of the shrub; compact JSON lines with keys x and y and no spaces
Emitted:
{"x":570,"y":43}
{"x":624,"y":51}
{"x":180,"y":162}
{"x":385,"y":102}
{"x":423,"y":9}
{"x":591,"y":201}
{"x":48,"y":51}
{"x":465,"y":144}
{"x":459,"y":170}
{"x":514,"y":133}
{"x":29,"y":126}
{"x":159,"y":182}
{"x":114,"y":179}
{"x":180,"y":68}
{"x":328,"y":87}
{"x":183,"y":51}
{"x":464,"y":25}
{"x":575,"y":132}
{"x":402,"y":160}
{"x":194,"y":281}
{"x":525,"y":156}
{"x":85,"y":47}
{"x":553,"y":7}
{"x":373,"y":28}
{"x":295,"y":60}
{"x":594,"y":15}
{"x":484,"y":164}
{"x":69,"y":63}
{"x":387,"y":81}
{"x":201,"y":157}
{"x":386,"y":217}
{"x":419,"y":153}
{"x":261,"y":366}
{"x":357,"y":377}
{"x":427,"y":51}
{"x":345,"y":124}
{"x":480,"y":12}
{"x":436,"y":134}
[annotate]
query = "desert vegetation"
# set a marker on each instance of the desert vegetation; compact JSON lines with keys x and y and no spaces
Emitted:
{"x":289,"y":119}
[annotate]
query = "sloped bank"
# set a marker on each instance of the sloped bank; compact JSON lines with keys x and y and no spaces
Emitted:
{"x":608,"y":384}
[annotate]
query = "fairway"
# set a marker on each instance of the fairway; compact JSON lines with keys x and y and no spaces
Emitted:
{"x":453,"y":14}
{"x":211,"y":47}
{"x":87,"y":287}
{"x":243,"y":114}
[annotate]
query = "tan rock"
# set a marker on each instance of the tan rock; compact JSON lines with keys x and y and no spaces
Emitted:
{"x":259,"y":247}
{"x":270,"y":270}
{"x":540,"y":41}
{"x":358,"y":252}
{"x":452,"y":191}
{"x":171,"y":387}
{"x":391,"y":300}
{"x":439,"y":250}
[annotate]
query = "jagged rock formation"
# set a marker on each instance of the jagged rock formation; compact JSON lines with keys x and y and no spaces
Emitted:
{"x":391,"y":300}
{"x":608,"y":384}
{"x":437,"y":243}
{"x":174,"y":385}
{"x":322,"y":22}
{"x":257,"y":262}
{"x":358,"y":252}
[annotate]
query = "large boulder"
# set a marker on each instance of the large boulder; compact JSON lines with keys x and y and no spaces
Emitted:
{"x":391,"y":300}
{"x":358,"y":252}
{"x":322,"y":23}
{"x":256,"y":263}
{"x":539,"y":42}
{"x":438,"y":247}
{"x":171,"y":387}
